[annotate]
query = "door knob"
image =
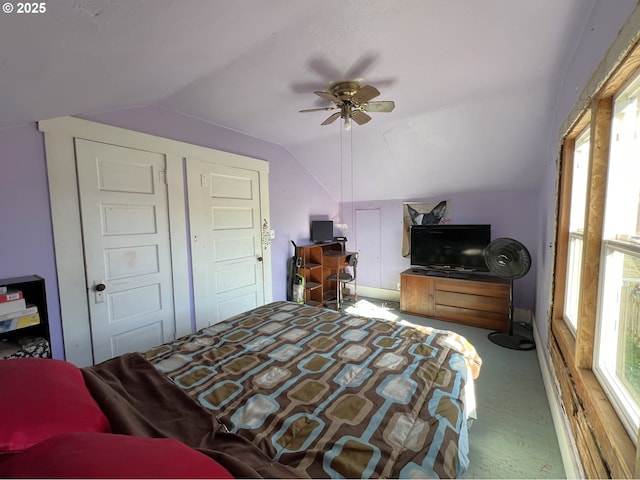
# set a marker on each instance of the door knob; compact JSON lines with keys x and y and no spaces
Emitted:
{"x":100,"y":287}
{"x":259,"y":259}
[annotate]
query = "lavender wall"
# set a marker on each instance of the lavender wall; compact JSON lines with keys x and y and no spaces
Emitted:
{"x":510,"y":214}
{"x":26,"y":236}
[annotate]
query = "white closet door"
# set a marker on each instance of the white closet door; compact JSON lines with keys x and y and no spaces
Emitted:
{"x":125,"y":231}
{"x":226,"y":240}
{"x":368,"y":244}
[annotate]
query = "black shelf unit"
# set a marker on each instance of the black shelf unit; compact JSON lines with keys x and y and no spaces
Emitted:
{"x":33,"y":291}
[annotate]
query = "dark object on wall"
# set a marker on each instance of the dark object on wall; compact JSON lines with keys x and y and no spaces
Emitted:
{"x":432,"y":217}
{"x":509,"y":259}
{"x":423,"y":213}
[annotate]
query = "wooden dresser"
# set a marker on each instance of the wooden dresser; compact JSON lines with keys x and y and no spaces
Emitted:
{"x":478,"y":300}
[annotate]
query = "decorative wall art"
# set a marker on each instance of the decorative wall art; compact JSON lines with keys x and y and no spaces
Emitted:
{"x":429,"y":213}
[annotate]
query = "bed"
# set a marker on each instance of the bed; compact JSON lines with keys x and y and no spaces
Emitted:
{"x":293,"y":391}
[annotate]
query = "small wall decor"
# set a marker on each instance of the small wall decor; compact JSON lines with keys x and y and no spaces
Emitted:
{"x":426,"y":213}
{"x":266,"y":234}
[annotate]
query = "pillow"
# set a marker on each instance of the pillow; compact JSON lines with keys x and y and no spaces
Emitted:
{"x":40,"y":398}
{"x":107,"y":455}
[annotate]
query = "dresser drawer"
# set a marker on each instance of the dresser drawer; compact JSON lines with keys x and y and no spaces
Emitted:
{"x":471,"y":301}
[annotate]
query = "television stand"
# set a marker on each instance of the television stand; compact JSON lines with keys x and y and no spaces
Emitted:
{"x":476,"y":299}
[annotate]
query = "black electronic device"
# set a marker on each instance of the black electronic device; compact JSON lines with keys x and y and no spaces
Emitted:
{"x":321,"y":231}
{"x":450,"y":247}
{"x":510,"y":259}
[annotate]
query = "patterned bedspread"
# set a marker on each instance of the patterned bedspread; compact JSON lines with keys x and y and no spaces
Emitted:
{"x":330,"y":394}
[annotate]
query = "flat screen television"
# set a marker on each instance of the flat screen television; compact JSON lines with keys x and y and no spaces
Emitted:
{"x":450,"y":247}
{"x":321,"y":231}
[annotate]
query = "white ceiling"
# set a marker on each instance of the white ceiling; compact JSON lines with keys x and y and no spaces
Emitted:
{"x":474,"y":81}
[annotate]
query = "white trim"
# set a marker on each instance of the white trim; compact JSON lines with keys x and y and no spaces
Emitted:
{"x":266,"y":248}
{"x":67,"y":233}
{"x":178,"y":241}
{"x":378,"y":293}
{"x":566,"y":442}
{"x":67,"y":237}
{"x":77,"y":128}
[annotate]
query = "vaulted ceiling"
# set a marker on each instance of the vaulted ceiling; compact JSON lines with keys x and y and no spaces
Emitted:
{"x":475,"y":82}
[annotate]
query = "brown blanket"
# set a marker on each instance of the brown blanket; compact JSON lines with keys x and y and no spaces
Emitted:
{"x":138,"y":400}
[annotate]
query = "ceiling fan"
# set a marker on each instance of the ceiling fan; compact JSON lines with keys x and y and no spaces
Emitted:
{"x":353,"y":101}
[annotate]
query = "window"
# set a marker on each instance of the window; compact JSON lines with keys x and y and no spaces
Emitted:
{"x":617,"y":361}
{"x":576,"y":227}
{"x":594,"y":344}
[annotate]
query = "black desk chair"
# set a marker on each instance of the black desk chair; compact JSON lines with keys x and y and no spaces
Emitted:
{"x":346,"y":277}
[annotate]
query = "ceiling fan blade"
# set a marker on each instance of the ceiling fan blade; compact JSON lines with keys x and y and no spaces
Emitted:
{"x":364,"y":94}
{"x":327,"y":96}
{"x":331,"y":119}
{"x":360,"y":117}
{"x":324,"y":68}
{"x":317,"y":109}
{"x":383,"y":106}
{"x":361,"y":66}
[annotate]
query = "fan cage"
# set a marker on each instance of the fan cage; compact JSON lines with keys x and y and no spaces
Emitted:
{"x":507,"y":258}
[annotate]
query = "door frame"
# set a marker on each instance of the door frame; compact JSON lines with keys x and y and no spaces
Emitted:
{"x":59,"y":135}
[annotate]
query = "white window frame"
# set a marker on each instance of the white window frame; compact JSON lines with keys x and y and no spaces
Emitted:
{"x":574,"y":252}
{"x":627,"y":408}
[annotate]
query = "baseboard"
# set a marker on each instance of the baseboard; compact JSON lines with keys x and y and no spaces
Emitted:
{"x":522,"y":315}
{"x":379,"y":293}
{"x":568,"y":451}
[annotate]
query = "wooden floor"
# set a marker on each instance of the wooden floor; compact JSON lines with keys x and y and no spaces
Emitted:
{"x":513,"y":436}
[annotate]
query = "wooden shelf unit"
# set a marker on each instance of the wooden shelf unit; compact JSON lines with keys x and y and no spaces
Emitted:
{"x":479,"y":300}
{"x":320,"y":260}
